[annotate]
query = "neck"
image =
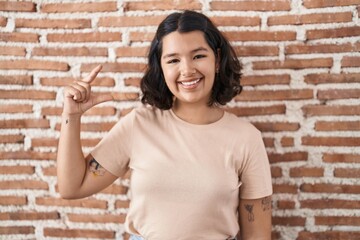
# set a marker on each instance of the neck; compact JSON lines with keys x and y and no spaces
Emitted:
{"x":201,"y":114}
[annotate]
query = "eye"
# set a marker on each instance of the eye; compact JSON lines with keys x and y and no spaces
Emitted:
{"x":171,"y":61}
{"x":199,"y":56}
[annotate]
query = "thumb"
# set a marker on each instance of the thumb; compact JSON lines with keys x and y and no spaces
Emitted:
{"x":100,"y":98}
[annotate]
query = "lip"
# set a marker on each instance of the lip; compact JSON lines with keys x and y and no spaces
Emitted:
{"x":190,"y":83}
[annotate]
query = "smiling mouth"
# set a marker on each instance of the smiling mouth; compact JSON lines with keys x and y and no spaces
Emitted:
{"x":189,"y":84}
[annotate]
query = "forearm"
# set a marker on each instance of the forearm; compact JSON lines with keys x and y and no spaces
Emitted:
{"x":71,"y":164}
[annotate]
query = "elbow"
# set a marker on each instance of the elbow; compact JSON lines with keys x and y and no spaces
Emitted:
{"x":67,"y":193}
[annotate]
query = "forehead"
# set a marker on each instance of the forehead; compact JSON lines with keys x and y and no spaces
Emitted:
{"x":177,"y":42}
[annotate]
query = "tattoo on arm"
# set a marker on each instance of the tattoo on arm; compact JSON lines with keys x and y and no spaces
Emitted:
{"x":96,"y":168}
{"x":67,"y":121}
{"x":266,"y":203}
{"x":249,"y":209}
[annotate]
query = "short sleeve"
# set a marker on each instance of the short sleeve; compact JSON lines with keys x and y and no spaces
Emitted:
{"x":114,"y":150}
{"x":256,"y":175}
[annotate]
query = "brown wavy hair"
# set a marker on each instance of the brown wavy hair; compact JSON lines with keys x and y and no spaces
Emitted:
{"x":227,"y":80}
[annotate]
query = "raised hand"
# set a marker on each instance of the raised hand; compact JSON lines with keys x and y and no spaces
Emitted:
{"x":78,"y":97}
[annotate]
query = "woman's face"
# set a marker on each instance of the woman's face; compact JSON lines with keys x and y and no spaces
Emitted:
{"x":188,"y":65}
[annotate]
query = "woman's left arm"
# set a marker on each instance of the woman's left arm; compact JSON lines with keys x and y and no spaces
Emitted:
{"x":255,"y":218}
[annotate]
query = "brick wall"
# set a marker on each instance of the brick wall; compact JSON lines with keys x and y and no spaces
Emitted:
{"x":302,"y":85}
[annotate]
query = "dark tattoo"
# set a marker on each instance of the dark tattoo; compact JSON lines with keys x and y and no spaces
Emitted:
{"x":266,"y":203}
{"x":249,"y":209}
{"x":96,"y":168}
{"x":67,"y":121}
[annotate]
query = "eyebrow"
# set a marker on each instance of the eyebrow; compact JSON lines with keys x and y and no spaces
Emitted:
{"x":192,"y":51}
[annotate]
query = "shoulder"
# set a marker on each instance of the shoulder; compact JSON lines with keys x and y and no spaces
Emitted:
{"x":147,"y":113}
{"x":241,"y":126}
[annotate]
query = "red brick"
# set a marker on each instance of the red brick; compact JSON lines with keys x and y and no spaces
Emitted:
{"x":64,"y":81}
{"x":12,"y":6}
{"x":330,"y":141}
{"x":130,"y":21}
{"x":287,"y":141}
{"x":13,"y":51}
{"x":25,"y":123}
{"x":236,"y":21}
{"x":97,"y":218}
{"x":243,"y":51}
{"x":85,"y":37}
{"x":132,"y":82}
{"x":83,"y":203}
{"x":33,"y":216}
{"x":53,"y":23}
{"x":3,"y":22}
{"x":294,"y":63}
{"x":141,"y":36}
{"x":121,"y":204}
{"x":276,"y":172}
{"x":286,"y":204}
{"x":32,"y":64}
{"x":329,"y":188}
{"x":27,"y":94}
{"x":338,"y":94}
{"x":49,"y":171}
{"x":335,"y":110}
{"x":326,"y":3}
{"x":255,"y":80}
{"x":332,"y":78}
{"x":17,"y":230}
{"x":162,"y":5}
{"x":14,"y":108}
{"x":337,"y":221}
{"x":17,"y":170}
{"x":285,"y":188}
{"x":19,"y":37}
{"x":26,"y":155}
{"x":16,"y":80}
{"x":79,"y":7}
{"x":337,"y":126}
{"x":269,"y":142}
{"x":310,"y":18}
{"x":44,"y":142}
{"x":250,"y":111}
{"x":97,"y":126}
{"x":350,"y":61}
{"x":95,"y":111}
{"x":321,"y":48}
{"x":276,"y":126}
{"x":262,"y":95}
{"x":78,"y":233}
{"x":11,"y":138}
{"x":80,"y":51}
{"x":341,"y":158}
{"x":333,"y":33}
{"x":251,"y":5}
{"x":115,"y":67}
{"x":330,"y":203}
{"x":347,"y":173}
{"x":260,"y":36}
{"x":13,"y":200}
{"x":24,"y":184}
{"x":288,"y":157}
{"x":132,"y":51}
{"x":327,"y":235}
{"x":306,"y":172}
{"x":288,"y":221}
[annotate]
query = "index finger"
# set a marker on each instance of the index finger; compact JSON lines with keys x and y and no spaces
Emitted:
{"x":89,"y":78}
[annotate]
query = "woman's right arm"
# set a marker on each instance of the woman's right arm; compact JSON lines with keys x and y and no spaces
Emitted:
{"x":79,"y":177}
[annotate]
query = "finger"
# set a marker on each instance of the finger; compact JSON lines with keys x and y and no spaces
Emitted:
{"x":87,"y":89}
{"x":72,"y":93}
{"x":81,"y":92}
{"x":89,"y":78}
{"x":102,"y":98}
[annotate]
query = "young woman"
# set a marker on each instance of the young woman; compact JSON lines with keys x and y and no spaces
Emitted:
{"x":198,"y":172}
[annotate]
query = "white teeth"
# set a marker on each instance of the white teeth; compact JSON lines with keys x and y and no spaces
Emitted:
{"x":190,"y":83}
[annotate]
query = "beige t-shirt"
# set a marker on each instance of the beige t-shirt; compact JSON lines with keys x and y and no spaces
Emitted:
{"x":186,"y":178}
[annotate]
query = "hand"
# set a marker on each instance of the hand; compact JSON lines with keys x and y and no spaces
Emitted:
{"x":78,"y":97}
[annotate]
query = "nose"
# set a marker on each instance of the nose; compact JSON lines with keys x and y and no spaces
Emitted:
{"x":187,"y":69}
